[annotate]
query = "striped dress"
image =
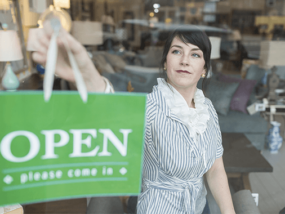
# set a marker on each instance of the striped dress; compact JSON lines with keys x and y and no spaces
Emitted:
{"x":174,"y":163}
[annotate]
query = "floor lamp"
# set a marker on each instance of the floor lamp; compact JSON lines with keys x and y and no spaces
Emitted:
{"x":272,"y":55}
{"x":215,"y":53}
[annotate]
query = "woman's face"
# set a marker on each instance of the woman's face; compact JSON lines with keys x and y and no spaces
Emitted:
{"x":184,"y":64}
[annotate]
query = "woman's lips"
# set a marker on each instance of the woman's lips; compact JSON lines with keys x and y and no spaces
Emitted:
{"x":183,"y":71}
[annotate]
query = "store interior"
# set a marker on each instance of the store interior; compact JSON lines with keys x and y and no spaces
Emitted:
{"x":125,"y":41}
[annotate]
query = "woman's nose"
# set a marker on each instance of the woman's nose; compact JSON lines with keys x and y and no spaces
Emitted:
{"x":184,"y":60}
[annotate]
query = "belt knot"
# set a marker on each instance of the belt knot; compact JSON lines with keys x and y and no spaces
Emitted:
{"x":189,"y":189}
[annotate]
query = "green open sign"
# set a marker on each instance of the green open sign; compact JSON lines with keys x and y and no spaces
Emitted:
{"x":65,"y":148}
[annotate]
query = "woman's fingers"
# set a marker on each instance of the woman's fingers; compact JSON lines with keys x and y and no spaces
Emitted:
{"x":47,"y":29}
{"x":39,"y":58}
{"x":75,"y":47}
{"x":40,"y":44}
{"x":40,"y":48}
{"x":43,"y":38}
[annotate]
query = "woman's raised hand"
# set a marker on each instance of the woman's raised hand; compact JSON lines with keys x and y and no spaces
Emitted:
{"x":92,"y":78}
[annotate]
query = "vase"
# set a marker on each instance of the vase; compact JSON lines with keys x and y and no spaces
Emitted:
{"x":10,"y":81}
{"x":274,"y":139}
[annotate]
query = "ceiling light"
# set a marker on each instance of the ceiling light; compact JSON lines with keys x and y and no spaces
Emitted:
{"x":156,"y":6}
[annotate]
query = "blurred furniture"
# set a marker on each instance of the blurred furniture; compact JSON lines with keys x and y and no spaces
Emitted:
{"x":242,"y":200}
{"x":244,"y":20}
{"x":78,"y":206}
{"x":234,"y":36}
{"x":209,"y":12}
{"x":87,"y":33}
{"x":267,"y":24}
{"x":271,"y":55}
{"x":233,"y":50}
{"x":215,"y":53}
{"x":4,"y":5}
{"x":62,"y":3}
{"x":151,"y":56}
{"x":272,"y":111}
{"x":244,"y":203}
{"x":241,"y":158}
{"x":142,"y":79}
{"x":18,"y":20}
{"x":110,"y":205}
{"x":10,"y":51}
{"x":246,"y":63}
{"x":12,"y":209}
{"x":254,"y":127}
{"x":216,"y":43}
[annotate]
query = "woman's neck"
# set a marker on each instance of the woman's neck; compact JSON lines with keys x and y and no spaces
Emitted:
{"x":188,"y":94}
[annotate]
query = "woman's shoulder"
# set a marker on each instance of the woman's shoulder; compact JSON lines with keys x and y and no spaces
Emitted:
{"x":152,"y":103}
{"x":154,"y":97}
{"x":208,"y":102}
{"x":212,"y":110}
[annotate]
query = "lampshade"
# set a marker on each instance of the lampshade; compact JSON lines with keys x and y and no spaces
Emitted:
{"x":4,"y":5}
{"x":272,"y":54}
{"x":107,"y":20}
{"x":216,"y":43}
{"x":87,"y":33}
{"x":235,"y":36}
{"x":62,"y":3}
{"x":32,"y":37}
{"x":10,"y":48}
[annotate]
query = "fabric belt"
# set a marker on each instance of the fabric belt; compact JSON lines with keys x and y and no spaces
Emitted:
{"x":189,"y":188}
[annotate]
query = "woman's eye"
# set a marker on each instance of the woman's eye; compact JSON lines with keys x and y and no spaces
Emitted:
{"x":176,"y":52}
{"x":196,"y":55}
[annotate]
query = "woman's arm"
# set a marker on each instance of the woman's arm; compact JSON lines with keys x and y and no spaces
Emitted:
{"x":218,"y":184}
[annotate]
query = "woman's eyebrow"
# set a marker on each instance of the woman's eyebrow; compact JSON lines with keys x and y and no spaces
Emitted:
{"x":196,"y":49}
{"x":177,"y":46}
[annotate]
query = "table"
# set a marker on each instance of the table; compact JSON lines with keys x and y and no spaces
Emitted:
{"x":274,"y":109}
{"x":240,"y":158}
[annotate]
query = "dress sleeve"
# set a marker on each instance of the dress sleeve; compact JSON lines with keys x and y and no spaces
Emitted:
{"x":220,"y":149}
{"x":151,"y":109}
{"x":219,"y":145}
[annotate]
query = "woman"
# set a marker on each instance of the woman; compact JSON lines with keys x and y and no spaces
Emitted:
{"x":183,"y":139}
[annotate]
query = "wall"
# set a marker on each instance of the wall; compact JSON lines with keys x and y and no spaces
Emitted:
{"x":28,"y":18}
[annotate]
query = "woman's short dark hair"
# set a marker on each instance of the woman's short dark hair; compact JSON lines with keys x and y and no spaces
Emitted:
{"x":195,"y":37}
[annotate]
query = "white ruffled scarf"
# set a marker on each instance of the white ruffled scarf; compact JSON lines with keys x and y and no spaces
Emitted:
{"x":194,"y":118}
